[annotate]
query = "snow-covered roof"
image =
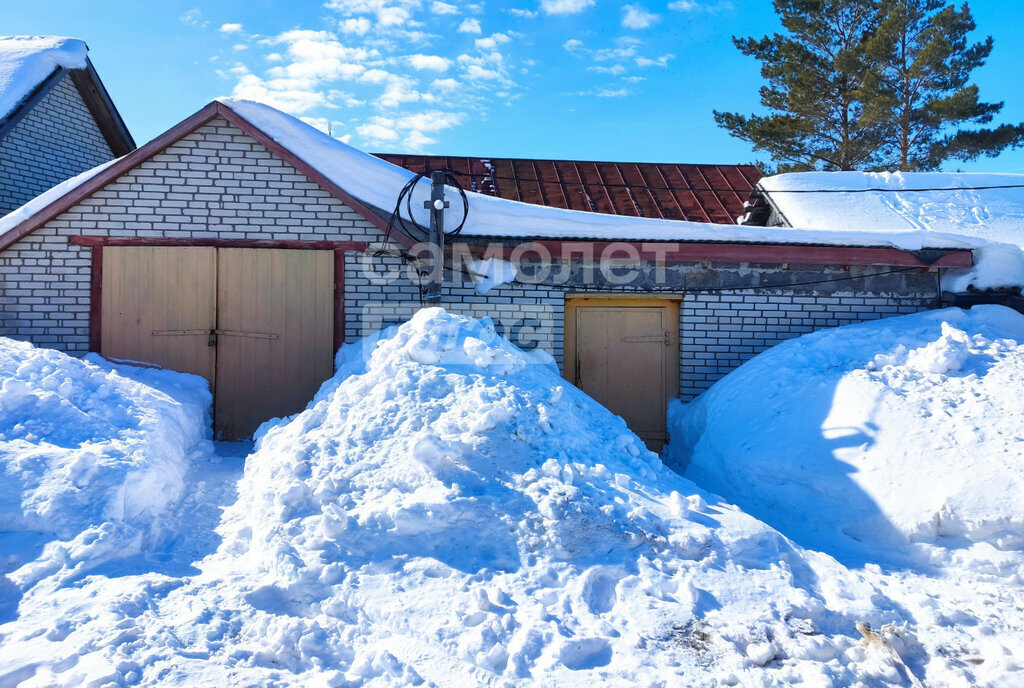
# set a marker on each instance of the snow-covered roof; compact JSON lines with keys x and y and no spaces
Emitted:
{"x":987,"y":205}
{"x":984,"y":209}
{"x":371,"y":186}
{"x":377,"y":183}
{"x":27,"y":61}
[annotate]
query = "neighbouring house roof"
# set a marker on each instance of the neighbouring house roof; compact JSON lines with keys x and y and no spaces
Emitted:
{"x":370,"y":186}
{"x":698,"y":193}
{"x":983,"y":207}
{"x":30,"y":66}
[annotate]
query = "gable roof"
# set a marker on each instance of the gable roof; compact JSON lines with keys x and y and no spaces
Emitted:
{"x":31,"y":66}
{"x":369,"y":185}
{"x":697,"y":193}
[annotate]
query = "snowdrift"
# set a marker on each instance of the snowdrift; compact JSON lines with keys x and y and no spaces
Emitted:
{"x":450,"y":511}
{"x":91,"y":452}
{"x":875,"y":435}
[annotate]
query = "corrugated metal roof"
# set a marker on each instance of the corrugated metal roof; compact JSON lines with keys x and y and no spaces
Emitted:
{"x":698,"y":193}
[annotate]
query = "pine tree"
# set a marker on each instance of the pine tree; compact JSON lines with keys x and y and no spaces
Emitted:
{"x":815,"y":77}
{"x":921,"y":63}
{"x":870,"y":84}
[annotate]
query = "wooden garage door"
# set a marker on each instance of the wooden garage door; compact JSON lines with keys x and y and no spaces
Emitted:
{"x":257,"y":323}
{"x":159,"y":306}
{"x":625,"y":354}
{"x":275,"y":324}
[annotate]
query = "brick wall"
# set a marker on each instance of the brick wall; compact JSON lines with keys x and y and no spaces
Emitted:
{"x":220,"y":183}
{"x":215,"y":183}
{"x":54,"y":141}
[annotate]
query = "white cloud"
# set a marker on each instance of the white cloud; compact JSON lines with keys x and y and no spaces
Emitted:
{"x":375,"y":76}
{"x":399,"y":90}
{"x":230,"y":28}
{"x":609,"y":93}
{"x":431,"y":62}
{"x":694,"y":6}
{"x":415,"y":141}
{"x":478,"y":73}
{"x":292,"y":100}
{"x":657,"y":62}
{"x":393,"y":16}
{"x":445,"y":84}
{"x":357,"y":25}
{"x":525,"y":14}
{"x":194,"y":17}
{"x":636,"y":17}
{"x":614,"y":69}
{"x":492,"y":41}
{"x":378,"y":129}
{"x":565,"y":6}
{"x":438,"y":7}
{"x":431,"y":120}
{"x":238,"y":47}
{"x":470,"y":25}
{"x":573,"y":44}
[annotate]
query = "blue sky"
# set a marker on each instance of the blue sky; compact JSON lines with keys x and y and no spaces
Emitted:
{"x":583,"y":79}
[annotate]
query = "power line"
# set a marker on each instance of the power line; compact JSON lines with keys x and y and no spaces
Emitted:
{"x":887,"y":190}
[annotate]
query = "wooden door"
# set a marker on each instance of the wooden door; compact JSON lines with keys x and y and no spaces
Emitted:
{"x":625,"y":354}
{"x":159,"y":305}
{"x":275,"y":334}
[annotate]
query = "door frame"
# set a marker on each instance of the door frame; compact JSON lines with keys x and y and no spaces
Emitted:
{"x":96,"y":243}
{"x":573,"y":301}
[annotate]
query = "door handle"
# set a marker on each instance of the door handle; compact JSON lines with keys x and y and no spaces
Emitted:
{"x":212,"y":341}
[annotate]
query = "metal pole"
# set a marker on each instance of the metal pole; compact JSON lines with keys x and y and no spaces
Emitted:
{"x":436,"y":206}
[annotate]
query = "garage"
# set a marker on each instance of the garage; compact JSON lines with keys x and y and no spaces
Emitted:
{"x":257,"y":323}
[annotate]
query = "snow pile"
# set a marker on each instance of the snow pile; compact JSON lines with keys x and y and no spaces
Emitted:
{"x":986,"y":209}
{"x":26,"y":61}
{"x":87,"y":449}
{"x":902,"y":435}
{"x":448,"y":511}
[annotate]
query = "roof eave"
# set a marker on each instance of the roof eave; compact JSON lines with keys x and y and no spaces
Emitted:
{"x":102,"y":108}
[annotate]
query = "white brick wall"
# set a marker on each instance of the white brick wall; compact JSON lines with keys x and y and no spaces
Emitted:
{"x":220,"y":183}
{"x":54,"y":141}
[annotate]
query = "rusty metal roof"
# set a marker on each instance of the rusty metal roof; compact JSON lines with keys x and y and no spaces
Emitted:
{"x":699,"y":193}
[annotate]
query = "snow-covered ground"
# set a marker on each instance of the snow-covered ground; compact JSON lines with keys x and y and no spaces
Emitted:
{"x":448,"y":511}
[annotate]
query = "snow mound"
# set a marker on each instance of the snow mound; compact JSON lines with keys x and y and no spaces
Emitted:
{"x":449,"y":509}
{"x":87,"y":448}
{"x":876,"y":435}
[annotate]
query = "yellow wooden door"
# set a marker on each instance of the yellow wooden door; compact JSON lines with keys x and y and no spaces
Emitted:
{"x":275,"y":334}
{"x":625,"y":354}
{"x":159,"y":305}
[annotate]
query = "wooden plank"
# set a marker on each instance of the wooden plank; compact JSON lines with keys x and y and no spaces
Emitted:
{"x":147,"y":289}
{"x":283,"y":292}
